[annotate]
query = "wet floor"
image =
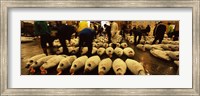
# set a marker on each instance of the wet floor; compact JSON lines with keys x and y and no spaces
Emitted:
{"x":153,"y":65}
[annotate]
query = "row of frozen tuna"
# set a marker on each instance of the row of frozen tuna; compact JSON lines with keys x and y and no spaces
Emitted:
{"x":100,"y":41}
{"x":106,"y":45}
{"x":166,"y":55}
{"x":128,"y":51}
{"x":169,"y":47}
{"x":158,"y":51}
{"x":63,"y":62}
{"x":73,"y":42}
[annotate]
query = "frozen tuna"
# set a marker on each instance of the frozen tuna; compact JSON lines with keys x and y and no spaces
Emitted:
{"x":34,"y":59}
{"x":135,"y":67}
{"x":118,"y":51}
{"x":119,"y":66}
{"x":65,"y":63}
{"x":148,"y":46}
{"x":52,"y":62}
{"x":77,"y":64}
{"x":101,"y":51}
{"x":160,"y":54}
{"x":141,"y":47}
{"x":94,"y":50}
{"x":39,"y":63}
{"x":174,"y":55}
{"x":104,"y":66}
{"x":84,"y":50}
{"x":124,"y":45}
{"x":109,"y":51}
{"x":129,"y":52}
{"x":91,"y":63}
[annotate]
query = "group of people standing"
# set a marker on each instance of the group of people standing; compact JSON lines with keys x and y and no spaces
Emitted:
{"x":65,"y":31}
{"x":158,"y":32}
{"x":140,"y":31}
{"x":87,"y":35}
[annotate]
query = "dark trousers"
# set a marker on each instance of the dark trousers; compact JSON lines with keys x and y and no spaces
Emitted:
{"x":135,"y":38}
{"x":170,"y":34}
{"x":62,"y":40}
{"x":176,"y":35}
{"x":85,"y":40}
{"x":122,"y":33}
{"x":44,"y":39}
{"x":109,"y":38}
{"x":158,"y":38}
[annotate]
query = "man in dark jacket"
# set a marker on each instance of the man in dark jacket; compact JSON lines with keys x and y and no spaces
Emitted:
{"x":137,"y":33}
{"x":147,"y":30}
{"x":154,"y":30}
{"x":123,"y":30}
{"x":41,"y":29}
{"x":108,"y":31}
{"x":64,"y":33}
{"x":159,"y":33}
{"x":86,"y":37}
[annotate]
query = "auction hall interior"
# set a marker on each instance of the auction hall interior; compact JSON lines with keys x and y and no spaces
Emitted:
{"x":99,"y":47}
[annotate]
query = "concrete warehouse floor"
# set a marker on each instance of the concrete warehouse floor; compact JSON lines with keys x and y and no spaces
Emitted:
{"x":154,"y":66}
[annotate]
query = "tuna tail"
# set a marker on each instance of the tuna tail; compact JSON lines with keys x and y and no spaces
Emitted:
{"x":32,"y":70}
{"x":59,"y":71}
{"x":110,"y":55}
{"x":101,"y":73}
{"x":72,"y":71}
{"x":43,"y":71}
